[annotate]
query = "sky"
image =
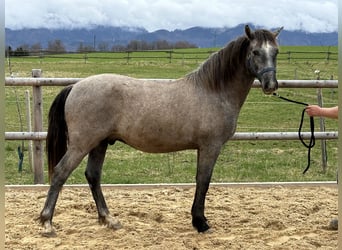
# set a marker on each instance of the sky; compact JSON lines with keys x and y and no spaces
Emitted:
{"x":307,"y":15}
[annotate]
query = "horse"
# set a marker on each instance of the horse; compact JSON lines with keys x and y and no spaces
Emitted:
{"x":198,"y":112}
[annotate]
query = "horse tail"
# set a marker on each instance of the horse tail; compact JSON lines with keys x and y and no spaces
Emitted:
{"x":57,"y":134}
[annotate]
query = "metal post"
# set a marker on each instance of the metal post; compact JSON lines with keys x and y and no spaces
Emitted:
{"x":38,"y":127}
{"x":322,"y":126}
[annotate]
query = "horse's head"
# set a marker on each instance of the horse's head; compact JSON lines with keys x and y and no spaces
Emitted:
{"x":262,"y":57}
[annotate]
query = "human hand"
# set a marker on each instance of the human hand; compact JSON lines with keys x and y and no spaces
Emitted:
{"x":313,"y":110}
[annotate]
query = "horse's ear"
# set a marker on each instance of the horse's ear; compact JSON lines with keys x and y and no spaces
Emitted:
{"x":248,"y":32}
{"x":276,"y":33}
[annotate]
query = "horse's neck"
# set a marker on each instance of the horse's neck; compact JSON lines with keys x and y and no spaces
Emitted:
{"x":239,"y":83}
{"x":237,"y":91}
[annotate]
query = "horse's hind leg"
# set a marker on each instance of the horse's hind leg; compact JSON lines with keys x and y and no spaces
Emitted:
{"x":93,"y":175}
{"x":64,"y":168}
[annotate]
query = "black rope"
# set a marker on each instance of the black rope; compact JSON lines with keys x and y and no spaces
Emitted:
{"x":312,"y":142}
{"x":289,"y":100}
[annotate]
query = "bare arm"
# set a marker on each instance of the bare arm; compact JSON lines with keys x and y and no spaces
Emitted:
{"x":315,"y":110}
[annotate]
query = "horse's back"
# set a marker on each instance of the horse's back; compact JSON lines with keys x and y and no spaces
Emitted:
{"x":122,"y":108}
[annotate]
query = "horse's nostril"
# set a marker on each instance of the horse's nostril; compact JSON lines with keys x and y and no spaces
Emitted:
{"x":269,"y":86}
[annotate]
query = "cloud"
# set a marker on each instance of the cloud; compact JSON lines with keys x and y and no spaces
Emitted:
{"x":308,"y":15}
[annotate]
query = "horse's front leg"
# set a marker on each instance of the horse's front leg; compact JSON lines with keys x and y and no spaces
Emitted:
{"x":206,"y":159}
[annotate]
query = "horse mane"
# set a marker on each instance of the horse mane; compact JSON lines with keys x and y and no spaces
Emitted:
{"x":224,"y":65}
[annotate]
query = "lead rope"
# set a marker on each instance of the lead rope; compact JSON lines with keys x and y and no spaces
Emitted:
{"x":311,"y":144}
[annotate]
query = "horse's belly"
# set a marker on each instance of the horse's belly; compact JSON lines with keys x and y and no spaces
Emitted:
{"x":165,"y":139}
{"x":162,"y":144}
{"x":160,"y":149}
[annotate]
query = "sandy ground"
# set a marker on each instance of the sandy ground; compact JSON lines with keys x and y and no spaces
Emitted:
{"x":276,"y":217}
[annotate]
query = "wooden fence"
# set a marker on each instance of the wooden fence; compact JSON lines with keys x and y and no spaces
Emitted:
{"x":38,"y":135}
{"x":167,"y":55}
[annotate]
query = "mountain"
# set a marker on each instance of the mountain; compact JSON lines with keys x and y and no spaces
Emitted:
{"x":200,"y":36}
{"x":71,"y":38}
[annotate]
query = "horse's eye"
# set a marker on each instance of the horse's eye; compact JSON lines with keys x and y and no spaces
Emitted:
{"x":256,"y":52}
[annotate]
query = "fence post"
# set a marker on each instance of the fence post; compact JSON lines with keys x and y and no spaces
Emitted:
{"x":289,"y":56}
{"x":85,"y":58}
{"x":322,"y":129}
{"x":29,"y":127}
{"x":38,"y":152}
{"x":170,"y":56}
{"x":328,"y":55}
{"x":322,"y":126}
{"x":128,"y":56}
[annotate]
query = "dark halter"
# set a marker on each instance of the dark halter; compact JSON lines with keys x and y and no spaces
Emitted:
{"x":259,"y":73}
{"x":263,"y":71}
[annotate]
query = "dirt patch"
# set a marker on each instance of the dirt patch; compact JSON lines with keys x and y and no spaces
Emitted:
{"x":275,"y":217}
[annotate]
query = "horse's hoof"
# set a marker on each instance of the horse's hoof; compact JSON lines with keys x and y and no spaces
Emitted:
{"x":201,"y":225}
{"x":112,"y":223}
{"x":48,"y":230}
{"x":333,"y":225}
{"x":209,"y":231}
{"x":51,"y":234}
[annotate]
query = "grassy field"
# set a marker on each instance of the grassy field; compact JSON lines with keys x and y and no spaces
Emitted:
{"x":239,"y":160}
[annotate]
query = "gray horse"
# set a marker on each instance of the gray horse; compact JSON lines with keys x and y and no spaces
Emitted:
{"x":198,"y":111}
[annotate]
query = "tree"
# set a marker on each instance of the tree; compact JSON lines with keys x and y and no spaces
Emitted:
{"x":36,"y":48}
{"x":22,"y":50}
{"x":103,"y":46}
{"x":133,"y":45}
{"x":183,"y":45}
{"x":8,"y":51}
{"x":162,"y":44}
{"x":80,"y":47}
{"x":84,"y":48}
{"x":56,"y":46}
{"x":118,"y":48}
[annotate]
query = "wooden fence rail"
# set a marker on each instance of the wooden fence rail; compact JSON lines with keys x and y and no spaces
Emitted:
{"x":238,"y":136}
{"x":27,"y":81}
{"x":168,"y":55}
{"x":38,"y":135}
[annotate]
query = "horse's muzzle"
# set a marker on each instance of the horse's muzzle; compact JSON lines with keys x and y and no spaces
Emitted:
{"x":266,"y":76}
{"x":269,"y":86}
{"x":268,"y":80}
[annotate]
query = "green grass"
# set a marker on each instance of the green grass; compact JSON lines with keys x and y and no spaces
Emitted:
{"x":239,"y":160}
